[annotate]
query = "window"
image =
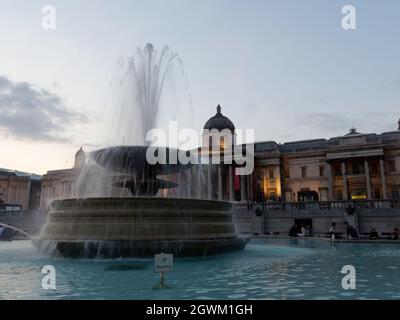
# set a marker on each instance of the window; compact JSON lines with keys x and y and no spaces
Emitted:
{"x":304,"y":172}
{"x":340,"y":195}
{"x":271,"y":174}
{"x":374,"y":169}
{"x":321,"y":171}
{"x":377,"y":193}
{"x":395,"y":193}
{"x":272,"y":195}
{"x":337,"y":170}
{"x":392,"y":166}
{"x":222,"y":142}
{"x":286,"y":172}
{"x":356,"y":168}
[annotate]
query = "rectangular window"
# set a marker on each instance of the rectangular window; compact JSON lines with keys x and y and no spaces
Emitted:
{"x":374,"y":169}
{"x":272,"y":195}
{"x":392,"y":165}
{"x":340,"y":195}
{"x":271,"y":173}
{"x":377,"y":193}
{"x":356,"y":168}
{"x":395,"y":193}
{"x":304,"y":172}
{"x":286,"y":172}
{"x":321,"y":171}
{"x":337,"y":171}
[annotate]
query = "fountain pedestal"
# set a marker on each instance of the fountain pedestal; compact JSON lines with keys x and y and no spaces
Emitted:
{"x":140,"y":227}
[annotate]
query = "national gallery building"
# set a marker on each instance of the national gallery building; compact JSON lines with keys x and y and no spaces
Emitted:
{"x":354,"y":166}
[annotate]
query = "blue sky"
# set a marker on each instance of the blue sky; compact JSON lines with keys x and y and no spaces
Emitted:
{"x":285,"y":68}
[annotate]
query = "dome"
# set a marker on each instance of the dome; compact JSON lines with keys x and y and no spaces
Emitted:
{"x":219,"y":122}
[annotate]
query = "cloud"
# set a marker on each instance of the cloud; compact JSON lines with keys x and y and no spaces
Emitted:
{"x":33,"y":113}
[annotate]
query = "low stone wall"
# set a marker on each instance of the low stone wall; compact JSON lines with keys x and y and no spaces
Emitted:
{"x":384,"y":220}
{"x":29,"y":221}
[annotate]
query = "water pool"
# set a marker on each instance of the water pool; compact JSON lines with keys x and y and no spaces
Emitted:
{"x":266,"y":269}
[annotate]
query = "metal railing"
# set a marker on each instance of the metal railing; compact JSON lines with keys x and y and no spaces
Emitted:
{"x":10,"y":209}
{"x":318,"y":205}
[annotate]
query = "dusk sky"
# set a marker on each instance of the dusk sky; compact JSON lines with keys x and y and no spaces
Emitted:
{"x":285,"y":68}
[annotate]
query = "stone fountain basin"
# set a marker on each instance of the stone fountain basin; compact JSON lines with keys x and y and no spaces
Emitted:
{"x":133,"y":160}
{"x":140,"y":227}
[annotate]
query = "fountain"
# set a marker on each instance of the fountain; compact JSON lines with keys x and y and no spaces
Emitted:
{"x":140,"y":224}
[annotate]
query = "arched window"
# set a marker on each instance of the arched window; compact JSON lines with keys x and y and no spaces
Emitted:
{"x":222,"y":142}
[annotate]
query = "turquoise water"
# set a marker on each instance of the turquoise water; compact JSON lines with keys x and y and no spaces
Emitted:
{"x":266,"y":269}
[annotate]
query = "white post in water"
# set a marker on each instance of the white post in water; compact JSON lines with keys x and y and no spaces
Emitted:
{"x":163,"y":263}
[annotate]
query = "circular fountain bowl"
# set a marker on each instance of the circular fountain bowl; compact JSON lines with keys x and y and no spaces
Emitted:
{"x":140,"y":227}
{"x":133,"y":159}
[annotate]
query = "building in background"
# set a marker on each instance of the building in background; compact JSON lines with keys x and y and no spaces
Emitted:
{"x":355,"y":166}
{"x":61,"y":184}
{"x":351,"y":167}
{"x":19,"y":190}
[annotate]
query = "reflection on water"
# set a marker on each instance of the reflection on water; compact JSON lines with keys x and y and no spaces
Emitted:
{"x":266,"y":269}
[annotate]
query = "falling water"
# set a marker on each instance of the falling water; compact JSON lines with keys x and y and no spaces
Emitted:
{"x":147,"y":91}
{"x":104,"y":219}
{"x":143,"y":82}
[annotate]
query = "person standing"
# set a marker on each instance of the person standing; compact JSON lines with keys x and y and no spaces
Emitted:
{"x":332,"y":231}
{"x":293,"y":231}
{"x":396,"y":234}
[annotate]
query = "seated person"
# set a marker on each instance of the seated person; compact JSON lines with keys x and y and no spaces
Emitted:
{"x":373,"y":234}
{"x":302,"y":231}
{"x":293,"y":231}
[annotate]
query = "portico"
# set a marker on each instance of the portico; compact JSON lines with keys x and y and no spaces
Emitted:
{"x":357,"y":174}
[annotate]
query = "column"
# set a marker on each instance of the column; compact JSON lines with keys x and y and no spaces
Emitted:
{"x":279,"y":192}
{"x":330,"y":181}
{"x":209,"y":184}
{"x":367,"y":179}
{"x":242,"y":188}
{"x":231,"y":196}
{"x":249,"y":196}
{"x":344,"y":178}
{"x":198,"y":191}
{"x":189,"y":182}
{"x":219,"y":182}
{"x":383,"y":179}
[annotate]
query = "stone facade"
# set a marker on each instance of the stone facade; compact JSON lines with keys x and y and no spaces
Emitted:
{"x":19,"y":189}
{"x":351,"y":167}
{"x":61,"y":184}
{"x":354,"y":166}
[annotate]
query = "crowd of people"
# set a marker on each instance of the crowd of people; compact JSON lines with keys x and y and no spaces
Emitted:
{"x":351,"y":232}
